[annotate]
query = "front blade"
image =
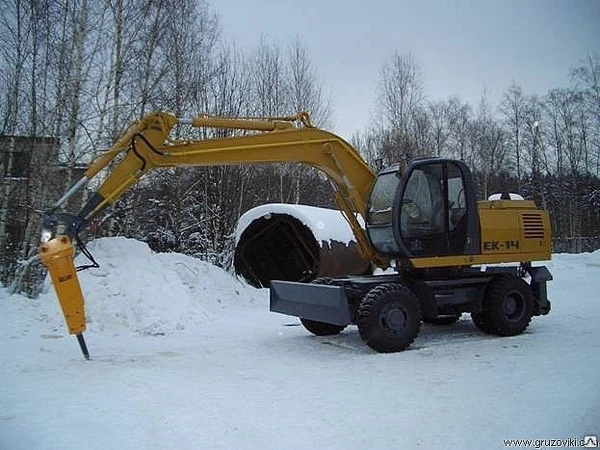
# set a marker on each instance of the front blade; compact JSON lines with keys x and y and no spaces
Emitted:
{"x":319,"y":302}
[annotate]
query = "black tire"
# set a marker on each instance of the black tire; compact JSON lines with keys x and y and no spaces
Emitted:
{"x":389,"y":318}
{"x":442,"y":320}
{"x":507,"y":306}
{"x":321,"y":328}
{"x":480,"y":323}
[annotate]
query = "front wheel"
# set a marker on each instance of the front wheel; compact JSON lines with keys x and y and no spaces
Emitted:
{"x":321,"y":328}
{"x":389,"y":318}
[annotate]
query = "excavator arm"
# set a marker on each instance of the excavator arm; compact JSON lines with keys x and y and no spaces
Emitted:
{"x":147,"y":145}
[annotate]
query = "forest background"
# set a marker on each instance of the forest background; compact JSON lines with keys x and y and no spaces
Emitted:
{"x":75,"y":74}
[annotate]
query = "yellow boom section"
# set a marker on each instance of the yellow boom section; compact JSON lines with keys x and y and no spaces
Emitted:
{"x":147,"y":146}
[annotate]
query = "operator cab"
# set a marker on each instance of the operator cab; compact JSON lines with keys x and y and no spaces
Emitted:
{"x":431,"y":210}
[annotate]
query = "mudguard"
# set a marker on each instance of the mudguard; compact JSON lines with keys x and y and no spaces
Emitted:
{"x":323,"y":303}
{"x":539,"y":277}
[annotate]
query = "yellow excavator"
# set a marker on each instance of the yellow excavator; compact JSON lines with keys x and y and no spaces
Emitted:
{"x":419,"y":220}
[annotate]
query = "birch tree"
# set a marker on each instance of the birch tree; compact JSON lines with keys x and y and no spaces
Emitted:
{"x":440,"y":126}
{"x":458,"y":122}
{"x":512,"y":108}
{"x":488,"y":146}
{"x":305,"y":93}
{"x":587,"y":81}
{"x":400,"y":95}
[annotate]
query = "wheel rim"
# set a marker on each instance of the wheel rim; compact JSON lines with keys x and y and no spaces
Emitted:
{"x":392,"y":320}
{"x":513,"y":306}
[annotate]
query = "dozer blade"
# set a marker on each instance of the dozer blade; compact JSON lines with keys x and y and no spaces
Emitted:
{"x":319,"y":302}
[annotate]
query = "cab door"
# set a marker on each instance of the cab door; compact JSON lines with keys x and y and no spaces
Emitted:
{"x":380,"y":212}
{"x":435,"y":211}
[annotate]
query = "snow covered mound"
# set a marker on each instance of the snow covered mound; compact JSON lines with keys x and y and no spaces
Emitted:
{"x":150,"y":293}
{"x":252,"y":380}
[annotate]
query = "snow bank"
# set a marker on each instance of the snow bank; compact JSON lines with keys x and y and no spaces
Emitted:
{"x":254,"y":380}
{"x":158,"y":293}
{"x":149,"y":293}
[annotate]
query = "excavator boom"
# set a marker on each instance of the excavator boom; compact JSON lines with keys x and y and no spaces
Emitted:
{"x":147,"y":145}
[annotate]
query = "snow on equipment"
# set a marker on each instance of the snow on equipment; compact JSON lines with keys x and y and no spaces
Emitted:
{"x":295,"y":243}
{"x":421,"y":219}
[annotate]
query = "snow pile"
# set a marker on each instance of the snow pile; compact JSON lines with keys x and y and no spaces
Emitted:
{"x":325,"y":224}
{"x":250,"y":379}
{"x":149,"y":293}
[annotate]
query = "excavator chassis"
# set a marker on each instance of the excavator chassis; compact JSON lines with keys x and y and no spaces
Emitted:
{"x":440,"y":294}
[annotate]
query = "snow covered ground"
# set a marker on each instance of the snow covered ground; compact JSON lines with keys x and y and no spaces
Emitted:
{"x":186,"y":356}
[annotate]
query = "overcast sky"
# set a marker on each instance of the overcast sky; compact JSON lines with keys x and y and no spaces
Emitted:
{"x":461,"y":46}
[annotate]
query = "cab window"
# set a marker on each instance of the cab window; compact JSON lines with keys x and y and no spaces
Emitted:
{"x":380,"y":213}
{"x":457,"y":202}
{"x":422,"y":208}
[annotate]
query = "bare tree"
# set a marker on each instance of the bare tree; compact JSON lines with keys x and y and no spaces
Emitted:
{"x":552,"y":110}
{"x":225,"y":187}
{"x":305,"y":89}
{"x":16,"y":22}
{"x":513,"y":111}
{"x":267,"y":71}
{"x":487,"y":144}
{"x":459,"y":122}
{"x":401,"y":91}
{"x":230,"y":84}
{"x":587,"y":81}
{"x":13,"y":51}
{"x":400,"y":98}
{"x":305,"y":93}
{"x":110,"y":74}
{"x":568,"y":105}
{"x":440,"y":126}
{"x":205,"y":58}
{"x":367,"y":143}
{"x":49,"y":102}
{"x":534,"y":138}
{"x":423,"y":133}
{"x":269,"y":98}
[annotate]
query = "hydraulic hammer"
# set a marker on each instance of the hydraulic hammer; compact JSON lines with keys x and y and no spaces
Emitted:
{"x":57,"y":256}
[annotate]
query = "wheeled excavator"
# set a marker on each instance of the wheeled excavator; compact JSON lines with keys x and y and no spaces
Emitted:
{"x":445,"y":253}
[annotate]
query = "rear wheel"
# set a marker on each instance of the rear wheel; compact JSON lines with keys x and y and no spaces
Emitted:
{"x":507,"y":307}
{"x":389,"y":318}
{"x":321,"y":328}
